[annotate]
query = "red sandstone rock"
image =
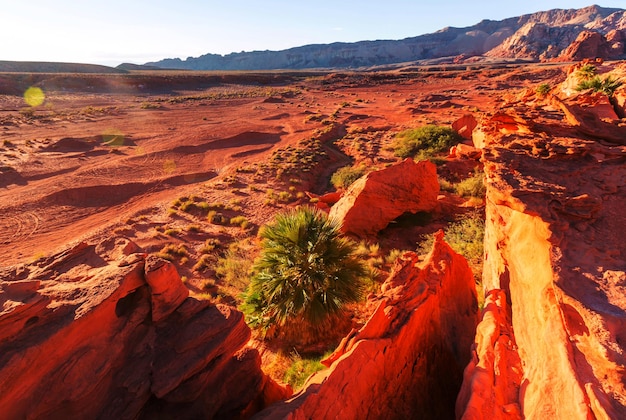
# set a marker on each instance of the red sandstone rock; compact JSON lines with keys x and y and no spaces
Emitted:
{"x":168,"y":291}
{"x":595,"y":118}
{"x":554,"y":245}
{"x":464,"y":151}
{"x":588,"y":44}
{"x":83,"y":338}
{"x":406,"y":359}
{"x":465,"y":126}
{"x":492,"y":380}
{"x":381,"y":196}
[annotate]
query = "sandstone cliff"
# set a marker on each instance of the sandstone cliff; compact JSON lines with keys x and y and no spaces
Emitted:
{"x":555,"y":265}
{"x":407,"y":361}
{"x":102,"y":332}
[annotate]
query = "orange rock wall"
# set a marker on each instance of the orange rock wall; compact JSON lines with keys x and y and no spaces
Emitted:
{"x":554,"y":247}
{"x":407,"y":361}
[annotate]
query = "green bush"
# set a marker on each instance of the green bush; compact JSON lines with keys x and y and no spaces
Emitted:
{"x":300,"y":369}
{"x":344,"y":177}
{"x":465,"y":236}
{"x":473,"y":186}
{"x":607,"y":85}
{"x":306,"y":273}
{"x":543,"y":89}
{"x":235,"y":267}
{"x":586,"y":71}
{"x":424,"y":142}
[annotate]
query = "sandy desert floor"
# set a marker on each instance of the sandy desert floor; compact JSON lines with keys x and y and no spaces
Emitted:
{"x":110,"y":153}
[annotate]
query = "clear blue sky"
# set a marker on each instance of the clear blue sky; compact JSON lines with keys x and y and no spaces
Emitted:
{"x":114,"y":31}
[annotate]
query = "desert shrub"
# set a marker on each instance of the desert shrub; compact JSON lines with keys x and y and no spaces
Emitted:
{"x":235,"y":267}
{"x":194,"y":228}
{"x":203,"y":262}
{"x":344,"y":177}
{"x":300,"y":369}
{"x":216,"y":218}
{"x":240,"y":220}
{"x":445,"y":185}
{"x":284,"y":196}
{"x":473,"y":186}
{"x":587,"y":71}
{"x":608,"y":85}
{"x":465,"y":236}
{"x":425,"y":141}
{"x":543,"y":89}
{"x":209,"y":245}
{"x":171,"y":251}
{"x":306,"y":273}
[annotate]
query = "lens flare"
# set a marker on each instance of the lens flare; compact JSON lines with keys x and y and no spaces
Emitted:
{"x":169,"y":166}
{"x":34,"y":96}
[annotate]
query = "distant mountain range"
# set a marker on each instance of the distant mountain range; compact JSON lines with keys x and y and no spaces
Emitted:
{"x":554,"y":35}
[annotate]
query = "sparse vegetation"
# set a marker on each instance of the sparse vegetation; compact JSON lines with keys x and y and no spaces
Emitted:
{"x":543,"y":89}
{"x":586,"y":71}
{"x":171,"y":251}
{"x":235,"y":267}
{"x":344,"y":177}
{"x":608,"y":85}
{"x":301,"y":368}
{"x":425,"y":142}
{"x":465,"y":236}
{"x":472,"y":186}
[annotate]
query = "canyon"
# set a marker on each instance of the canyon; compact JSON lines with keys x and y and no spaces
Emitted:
{"x":107,"y":312}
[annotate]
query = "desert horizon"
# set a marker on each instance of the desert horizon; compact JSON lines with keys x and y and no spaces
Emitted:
{"x":361,"y":237}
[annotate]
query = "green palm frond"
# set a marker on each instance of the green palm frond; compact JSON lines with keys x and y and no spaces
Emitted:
{"x":306,"y":270}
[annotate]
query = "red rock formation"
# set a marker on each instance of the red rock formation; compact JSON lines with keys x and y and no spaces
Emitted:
{"x":554,"y":244}
{"x":381,"y":196}
{"x":492,"y":380}
{"x":406,"y":362}
{"x":465,"y":125}
{"x":85,"y":336}
{"x":588,"y":44}
{"x":593,"y":115}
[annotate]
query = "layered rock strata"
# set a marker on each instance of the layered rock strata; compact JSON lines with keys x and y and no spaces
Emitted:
{"x":95,"y":333}
{"x":407,"y":361}
{"x":554,"y":248}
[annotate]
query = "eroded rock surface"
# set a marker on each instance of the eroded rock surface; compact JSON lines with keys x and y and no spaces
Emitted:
{"x":407,"y":361}
{"x":554,"y":246}
{"x":379,"y":197}
{"x":83,"y":335}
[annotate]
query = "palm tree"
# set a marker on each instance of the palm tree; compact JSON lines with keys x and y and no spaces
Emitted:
{"x":306,"y":273}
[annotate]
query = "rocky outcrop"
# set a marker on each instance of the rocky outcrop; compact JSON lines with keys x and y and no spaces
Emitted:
{"x":554,"y":246}
{"x":589,"y":44}
{"x":101,"y":332}
{"x":407,"y":361}
{"x":541,"y":35}
{"x":379,"y":197}
{"x":492,"y":380}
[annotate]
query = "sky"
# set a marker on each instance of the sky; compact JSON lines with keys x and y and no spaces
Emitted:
{"x":111,"y":32}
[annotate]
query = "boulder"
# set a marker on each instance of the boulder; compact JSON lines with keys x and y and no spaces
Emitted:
{"x":379,"y":197}
{"x":465,"y":126}
{"x":407,"y":360}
